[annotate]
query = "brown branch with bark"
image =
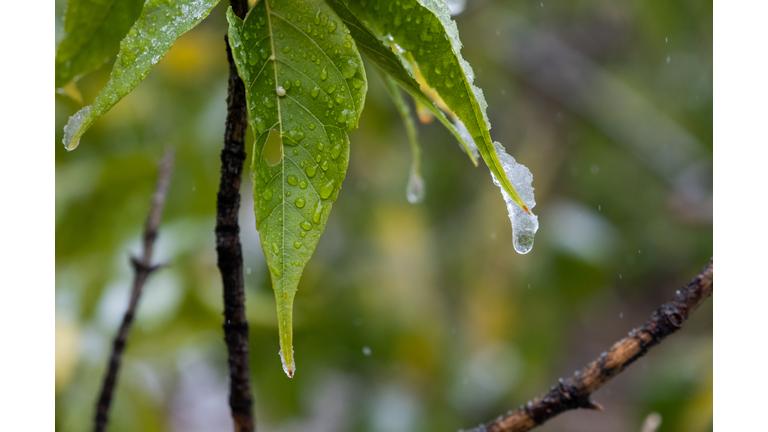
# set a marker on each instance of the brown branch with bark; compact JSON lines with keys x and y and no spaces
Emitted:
{"x":575,"y":392}
{"x":142,"y":267}
{"x":228,"y":249}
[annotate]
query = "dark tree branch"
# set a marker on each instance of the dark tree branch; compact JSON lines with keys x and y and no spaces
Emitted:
{"x":142,"y":267}
{"x":230,"y":255}
{"x":575,"y":392}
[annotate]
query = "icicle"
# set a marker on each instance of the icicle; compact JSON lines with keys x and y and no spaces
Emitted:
{"x":524,"y":226}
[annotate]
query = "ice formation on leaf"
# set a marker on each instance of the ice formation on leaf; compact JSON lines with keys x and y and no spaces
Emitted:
{"x":524,"y":225}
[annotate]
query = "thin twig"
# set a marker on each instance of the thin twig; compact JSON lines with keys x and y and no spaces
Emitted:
{"x":230,"y":254}
{"x":142,"y":267}
{"x":575,"y":392}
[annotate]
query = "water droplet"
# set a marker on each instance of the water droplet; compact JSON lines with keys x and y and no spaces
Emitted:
{"x":414,"y":191}
{"x":297,"y":244}
{"x":317,"y":214}
{"x":311,"y":170}
{"x":331,"y":89}
{"x":323,"y":74}
{"x":303,"y":184}
{"x":357,"y":83}
{"x":335,"y":151}
{"x":349,"y":68}
{"x":285,"y":49}
{"x":314,"y":92}
{"x":292,"y":180}
{"x":275,"y":249}
{"x":306,"y":225}
{"x":325,"y":165}
{"x":296,"y":133}
{"x":267,"y":194}
{"x":300,"y":202}
{"x":280,"y":91}
{"x":320,"y":146}
{"x":327,"y":189}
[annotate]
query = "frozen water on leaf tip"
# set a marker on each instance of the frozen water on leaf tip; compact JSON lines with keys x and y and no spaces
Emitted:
{"x":524,"y":223}
{"x":73,"y":125}
{"x":288,"y":371}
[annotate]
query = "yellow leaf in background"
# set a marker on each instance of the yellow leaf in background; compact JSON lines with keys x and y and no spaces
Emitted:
{"x":67,"y":338}
{"x":70,"y":90}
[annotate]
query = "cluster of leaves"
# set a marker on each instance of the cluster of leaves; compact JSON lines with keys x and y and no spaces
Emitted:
{"x":305,"y":86}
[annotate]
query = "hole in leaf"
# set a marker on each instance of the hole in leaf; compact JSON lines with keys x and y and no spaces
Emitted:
{"x":273,"y":148}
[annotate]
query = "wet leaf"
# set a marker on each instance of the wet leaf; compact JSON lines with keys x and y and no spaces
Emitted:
{"x":425,"y":31}
{"x":305,"y":85}
{"x":161,"y":22}
{"x":390,"y":64}
{"x":93,"y":30}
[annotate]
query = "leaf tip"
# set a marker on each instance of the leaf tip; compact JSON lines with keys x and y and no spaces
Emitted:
{"x":525,"y":207}
{"x":289,"y":365}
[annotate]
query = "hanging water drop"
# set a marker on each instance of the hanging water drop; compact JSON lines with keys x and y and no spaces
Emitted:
{"x":414,"y":191}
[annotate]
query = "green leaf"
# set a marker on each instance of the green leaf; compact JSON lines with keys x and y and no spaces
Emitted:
{"x":93,"y":30}
{"x":391,"y":65}
{"x":151,"y":37}
{"x":415,"y":189}
{"x":305,"y":86}
{"x":424,"y":29}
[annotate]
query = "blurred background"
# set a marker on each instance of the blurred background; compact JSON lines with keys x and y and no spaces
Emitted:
{"x":411,"y":317}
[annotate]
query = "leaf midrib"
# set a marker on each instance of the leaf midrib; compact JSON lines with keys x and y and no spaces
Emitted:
{"x":349,"y":90}
{"x":273,"y":59}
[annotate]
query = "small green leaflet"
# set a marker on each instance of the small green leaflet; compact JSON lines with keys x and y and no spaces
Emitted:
{"x":93,"y":30}
{"x":415,"y":189}
{"x":425,"y":30}
{"x":151,"y":37}
{"x":391,"y":65}
{"x":305,"y":85}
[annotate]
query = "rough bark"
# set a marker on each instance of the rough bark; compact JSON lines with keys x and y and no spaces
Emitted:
{"x":575,"y":392}
{"x":230,"y":255}
{"x":142,"y":269}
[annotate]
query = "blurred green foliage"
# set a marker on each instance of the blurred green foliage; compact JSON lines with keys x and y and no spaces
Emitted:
{"x":412,"y":318}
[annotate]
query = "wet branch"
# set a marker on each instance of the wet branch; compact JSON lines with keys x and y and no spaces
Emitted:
{"x":142,"y":267}
{"x":575,"y":392}
{"x":228,"y":249}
